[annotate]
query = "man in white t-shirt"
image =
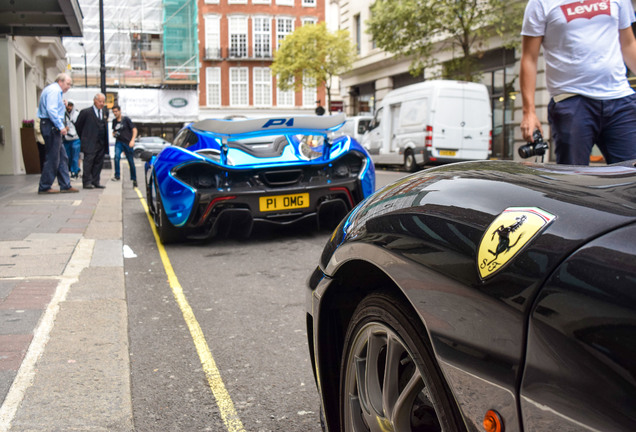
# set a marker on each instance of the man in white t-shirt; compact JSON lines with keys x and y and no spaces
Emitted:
{"x":586,"y":44}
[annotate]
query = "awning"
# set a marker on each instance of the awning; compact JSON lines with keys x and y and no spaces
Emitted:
{"x":40,"y":18}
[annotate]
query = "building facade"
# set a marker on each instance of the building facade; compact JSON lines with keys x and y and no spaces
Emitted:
{"x":237,"y":42}
{"x":31,"y":56}
{"x":376,"y":72}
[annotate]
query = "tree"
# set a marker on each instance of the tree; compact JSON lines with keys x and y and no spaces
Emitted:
{"x":312,"y":52}
{"x":422,"y":28}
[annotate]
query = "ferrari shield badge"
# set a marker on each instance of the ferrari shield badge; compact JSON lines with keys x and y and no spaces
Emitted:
{"x":507,"y":235}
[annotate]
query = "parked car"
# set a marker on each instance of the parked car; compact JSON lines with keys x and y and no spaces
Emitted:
{"x":486,"y":294}
{"x":355,"y":127}
{"x":431,"y":122}
{"x":221,"y":176}
{"x":152,"y":144}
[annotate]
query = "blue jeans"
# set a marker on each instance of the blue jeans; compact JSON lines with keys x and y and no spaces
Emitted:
{"x":73,"y":152}
{"x":128,"y":151}
{"x":579,"y":122}
{"x":55,"y":159}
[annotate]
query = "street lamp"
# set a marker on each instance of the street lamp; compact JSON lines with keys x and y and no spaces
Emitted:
{"x":85,"y":70}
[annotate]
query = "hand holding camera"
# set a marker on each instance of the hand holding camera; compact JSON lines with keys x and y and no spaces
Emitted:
{"x":535,"y":148}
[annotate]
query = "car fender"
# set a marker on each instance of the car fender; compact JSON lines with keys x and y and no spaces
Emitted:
{"x":177,"y":197}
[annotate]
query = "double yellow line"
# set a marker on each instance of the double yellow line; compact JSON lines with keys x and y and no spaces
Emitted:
{"x":224,"y":402}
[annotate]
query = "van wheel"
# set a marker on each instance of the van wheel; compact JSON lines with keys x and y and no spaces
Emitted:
{"x":409,"y":161}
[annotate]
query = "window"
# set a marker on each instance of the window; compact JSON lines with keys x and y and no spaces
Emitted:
{"x":236,"y":1}
{"x":262,"y":31}
{"x":211,"y":2}
{"x":285,"y":2}
{"x":213,"y":86}
{"x":262,"y":86}
{"x":309,"y":92}
{"x":212,"y":37}
{"x":261,"y":1}
{"x":284,"y":26}
{"x":284,"y":98}
{"x":309,"y":3}
{"x":309,"y":20}
{"x":239,"y":95}
{"x":238,"y":36}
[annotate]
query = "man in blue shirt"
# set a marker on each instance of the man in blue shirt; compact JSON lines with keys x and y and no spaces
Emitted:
{"x":51,"y":114}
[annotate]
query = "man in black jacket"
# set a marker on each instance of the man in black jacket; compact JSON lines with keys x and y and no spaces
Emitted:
{"x":91,"y":127}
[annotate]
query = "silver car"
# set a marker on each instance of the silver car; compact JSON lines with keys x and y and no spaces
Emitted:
{"x":152,"y":143}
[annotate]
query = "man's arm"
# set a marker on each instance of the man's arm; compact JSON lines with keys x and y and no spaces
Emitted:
{"x":530,"y":47}
{"x":134,"y":136}
{"x":628,"y":47}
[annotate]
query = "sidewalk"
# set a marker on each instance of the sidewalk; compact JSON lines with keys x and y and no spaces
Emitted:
{"x":63,"y":317}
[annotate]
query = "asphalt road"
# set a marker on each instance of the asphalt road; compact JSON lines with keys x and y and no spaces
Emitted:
{"x":248,"y":368}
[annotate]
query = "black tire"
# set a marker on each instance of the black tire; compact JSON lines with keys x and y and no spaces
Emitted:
{"x":379,"y":322}
{"x":410,"y":164}
{"x":137,"y":153}
{"x":167,"y":232}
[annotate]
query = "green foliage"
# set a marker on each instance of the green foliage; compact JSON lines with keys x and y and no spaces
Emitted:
{"x":313,"y":52}
{"x":422,"y":28}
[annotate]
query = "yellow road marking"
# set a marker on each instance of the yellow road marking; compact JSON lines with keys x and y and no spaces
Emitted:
{"x":224,"y":402}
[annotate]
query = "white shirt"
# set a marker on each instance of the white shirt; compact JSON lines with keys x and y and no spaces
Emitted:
{"x":581,"y":45}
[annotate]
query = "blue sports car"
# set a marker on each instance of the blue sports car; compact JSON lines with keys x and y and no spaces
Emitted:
{"x":221,"y":176}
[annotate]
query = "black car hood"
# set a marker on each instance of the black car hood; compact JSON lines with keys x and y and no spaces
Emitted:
{"x":586,"y":201}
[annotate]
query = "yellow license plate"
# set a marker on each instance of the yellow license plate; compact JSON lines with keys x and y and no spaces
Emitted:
{"x":283,"y":202}
{"x":447,"y":153}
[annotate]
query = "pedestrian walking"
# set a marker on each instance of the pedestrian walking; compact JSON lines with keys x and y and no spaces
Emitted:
{"x":51,"y":111}
{"x":91,"y":128}
{"x":71,"y":139}
{"x":125,"y":133}
{"x":586,"y":49}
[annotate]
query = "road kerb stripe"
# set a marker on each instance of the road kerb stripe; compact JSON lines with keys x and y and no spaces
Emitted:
{"x":224,"y":402}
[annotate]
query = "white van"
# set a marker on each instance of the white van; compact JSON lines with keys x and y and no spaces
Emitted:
{"x":436,"y":121}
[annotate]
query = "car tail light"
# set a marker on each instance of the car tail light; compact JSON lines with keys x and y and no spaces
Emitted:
{"x":490,"y":143}
{"x":428,"y":139}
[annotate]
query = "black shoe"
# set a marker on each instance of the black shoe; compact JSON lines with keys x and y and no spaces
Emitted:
{"x":98,"y":186}
{"x":115,"y":178}
{"x":134,"y":183}
{"x":89,"y":187}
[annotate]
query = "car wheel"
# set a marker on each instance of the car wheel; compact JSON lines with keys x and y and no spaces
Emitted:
{"x":167,"y":232}
{"x":410,"y":164}
{"x":389,"y":380}
{"x":137,"y":153}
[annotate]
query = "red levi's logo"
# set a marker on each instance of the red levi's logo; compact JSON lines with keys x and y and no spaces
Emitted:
{"x":586,"y":9}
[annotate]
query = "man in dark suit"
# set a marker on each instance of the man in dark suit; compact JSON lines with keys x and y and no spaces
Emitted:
{"x":91,"y":128}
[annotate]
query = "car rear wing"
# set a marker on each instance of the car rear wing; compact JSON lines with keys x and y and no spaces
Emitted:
{"x":232,"y":130}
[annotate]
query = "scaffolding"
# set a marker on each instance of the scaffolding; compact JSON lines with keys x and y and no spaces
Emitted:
{"x":146,"y":43}
{"x":180,"y":43}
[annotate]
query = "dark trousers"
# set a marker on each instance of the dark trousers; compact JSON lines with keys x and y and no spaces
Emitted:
{"x":579,"y":122}
{"x":55,"y":159}
{"x":93,"y":163}
{"x":128,"y":151}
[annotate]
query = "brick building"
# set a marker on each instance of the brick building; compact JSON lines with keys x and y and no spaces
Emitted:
{"x":237,"y":41}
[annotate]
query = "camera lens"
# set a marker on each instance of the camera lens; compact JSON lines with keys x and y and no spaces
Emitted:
{"x":526,"y":151}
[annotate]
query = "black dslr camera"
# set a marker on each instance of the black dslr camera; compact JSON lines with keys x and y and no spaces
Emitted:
{"x":535,"y":148}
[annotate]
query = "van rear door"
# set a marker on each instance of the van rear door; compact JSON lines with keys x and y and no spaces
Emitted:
{"x":462,"y":123}
{"x":476,"y":124}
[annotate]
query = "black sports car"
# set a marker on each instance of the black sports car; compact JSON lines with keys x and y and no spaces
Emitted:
{"x":494,"y":295}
